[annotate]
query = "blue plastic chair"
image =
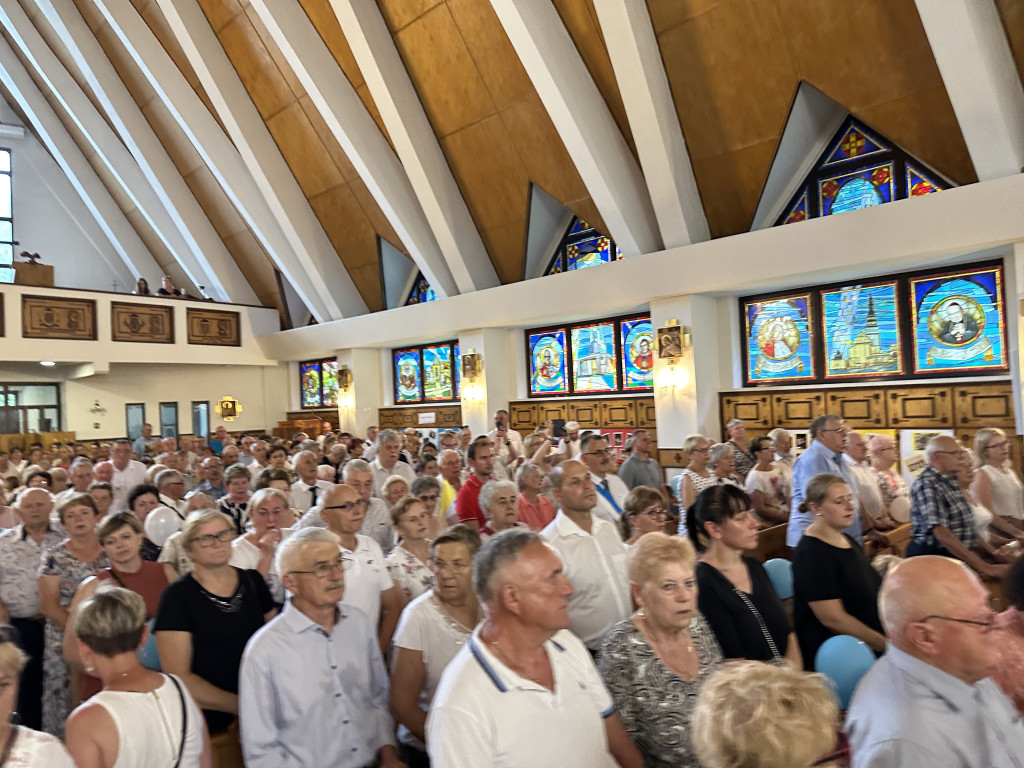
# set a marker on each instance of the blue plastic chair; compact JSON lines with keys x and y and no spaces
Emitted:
{"x":781,"y":574}
{"x":147,"y":654}
{"x":844,"y":660}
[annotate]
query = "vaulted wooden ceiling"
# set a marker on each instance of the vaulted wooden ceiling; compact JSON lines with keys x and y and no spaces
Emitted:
{"x":733,"y":67}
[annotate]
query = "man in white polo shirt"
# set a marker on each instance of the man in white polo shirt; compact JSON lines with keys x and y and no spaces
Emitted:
{"x":593,"y":555}
{"x":524,"y":691}
{"x":386,"y":462}
{"x":611,"y":492}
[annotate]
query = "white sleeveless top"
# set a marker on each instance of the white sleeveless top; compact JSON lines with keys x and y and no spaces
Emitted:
{"x":982,"y":520}
{"x":1007,"y":492}
{"x":149,"y":726}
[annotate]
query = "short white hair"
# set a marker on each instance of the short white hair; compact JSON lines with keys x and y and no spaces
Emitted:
{"x":290,"y":549}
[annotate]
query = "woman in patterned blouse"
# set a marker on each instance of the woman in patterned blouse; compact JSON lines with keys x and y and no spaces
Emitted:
{"x":655,"y":662}
{"x":407,"y":562}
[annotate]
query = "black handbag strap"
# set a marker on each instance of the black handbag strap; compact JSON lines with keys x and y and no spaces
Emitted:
{"x":184,"y":719}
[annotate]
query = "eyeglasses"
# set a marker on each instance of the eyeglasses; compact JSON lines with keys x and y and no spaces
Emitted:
{"x":973,"y":622}
{"x":457,"y":568}
{"x":999,"y":445}
{"x":324,"y":570}
{"x":349,"y":504}
{"x":700,"y":450}
{"x":844,"y":430}
{"x":207,"y":541}
{"x":961,"y":452}
{"x":428,"y":497}
{"x":655,"y":512}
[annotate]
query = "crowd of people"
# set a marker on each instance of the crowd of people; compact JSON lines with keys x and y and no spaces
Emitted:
{"x":504,"y":600}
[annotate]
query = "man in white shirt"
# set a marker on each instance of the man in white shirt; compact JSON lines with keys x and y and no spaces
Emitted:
{"x":171,"y":485}
{"x":126,"y":475}
{"x":592,"y":553}
{"x":611,"y":491}
{"x":869,"y":496}
{"x":377,"y":523}
{"x":784,"y":458}
{"x":79,"y":479}
{"x":569,"y":446}
{"x":371,"y":443}
{"x":386,"y":463}
{"x":306,"y":491}
{"x":501,"y":422}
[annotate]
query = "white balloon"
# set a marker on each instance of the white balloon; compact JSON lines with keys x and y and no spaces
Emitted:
{"x":160,"y":523}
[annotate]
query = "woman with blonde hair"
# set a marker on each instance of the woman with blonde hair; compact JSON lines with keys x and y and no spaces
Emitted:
{"x":643,"y":511}
{"x":255,"y":549}
{"x":696,"y":477}
{"x":996,"y":486}
{"x":407,"y":562}
{"x":655,"y":662}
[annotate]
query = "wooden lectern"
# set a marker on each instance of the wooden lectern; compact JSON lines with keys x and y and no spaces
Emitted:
{"x":40,"y":275}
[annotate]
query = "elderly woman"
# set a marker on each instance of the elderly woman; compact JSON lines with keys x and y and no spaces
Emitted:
{"x":722,"y":463}
{"x":140,"y":717}
{"x":23,"y":747}
{"x":758,"y":716}
{"x":143,"y":499}
{"x":1009,"y":625}
{"x":766,"y":485}
{"x":395,"y":488}
{"x":996,"y":485}
{"x":254,"y":549}
{"x":835,"y":589}
{"x":173,"y":557}
{"x":235,"y":504}
{"x":204,"y":621}
{"x":535,"y":510}
{"x":736,"y":595}
{"x":894,"y":493}
{"x":431,"y":630}
{"x":745,"y":460}
{"x":655,"y":662}
{"x":120,"y":535}
{"x":499,"y":501}
{"x":643,"y":511}
{"x":63,"y":568}
{"x":695,"y":477}
{"x":407,"y":562}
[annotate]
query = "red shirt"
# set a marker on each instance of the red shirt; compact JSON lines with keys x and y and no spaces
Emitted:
{"x":537,"y":517}
{"x":467,"y":503}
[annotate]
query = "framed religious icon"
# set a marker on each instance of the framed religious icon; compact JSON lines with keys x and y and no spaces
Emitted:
{"x":670,"y":342}
{"x":861,"y":325}
{"x":958,"y":321}
{"x":778,"y":339}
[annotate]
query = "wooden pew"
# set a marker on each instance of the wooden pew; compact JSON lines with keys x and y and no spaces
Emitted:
{"x":771,"y":542}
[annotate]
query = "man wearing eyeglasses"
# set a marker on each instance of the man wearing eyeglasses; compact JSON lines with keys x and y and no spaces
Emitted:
{"x":312,"y":686}
{"x":611,"y":491}
{"x":941,"y":518}
{"x":823,"y":455}
{"x":929,"y":701}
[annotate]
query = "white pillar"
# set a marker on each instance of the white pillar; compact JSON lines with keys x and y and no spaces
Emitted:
{"x":358,"y":408}
{"x":1014,"y":273}
{"x":495,"y":385}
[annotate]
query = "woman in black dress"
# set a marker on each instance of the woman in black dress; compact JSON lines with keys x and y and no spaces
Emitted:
{"x":835,"y":589}
{"x":734,"y":592}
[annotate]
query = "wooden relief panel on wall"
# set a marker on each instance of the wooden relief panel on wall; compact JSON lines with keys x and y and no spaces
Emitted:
{"x":859,"y":408}
{"x":212,"y":328}
{"x":547,"y":411}
{"x":618,"y":414}
{"x":645,"y":413}
{"x":45,"y":317}
{"x":796,"y":410}
{"x":984,"y":405}
{"x":920,"y":408}
{"x":141,"y":323}
{"x":586,"y":412}
{"x":522,"y":417}
{"x":754,"y":409}
{"x":442,"y":417}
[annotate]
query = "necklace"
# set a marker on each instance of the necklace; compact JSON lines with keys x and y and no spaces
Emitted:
{"x":456,"y":627}
{"x":232,"y":604}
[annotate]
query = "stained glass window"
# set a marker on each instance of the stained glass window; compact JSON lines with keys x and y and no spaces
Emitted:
{"x":593,"y":358}
{"x":547,"y":363}
{"x":309,"y":376}
{"x":859,"y":169}
{"x":427,"y":373}
{"x":318,"y":383}
{"x":437,"y":373}
{"x":6,"y":219}
{"x":329,"y":382}
{"x":582,"y":246}
{"x":421,"y":291}
{"x":861,"y":331}
{"x":637,"y":350}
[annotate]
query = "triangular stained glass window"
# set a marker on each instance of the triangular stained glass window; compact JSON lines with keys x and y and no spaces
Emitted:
{"x":421,"y":291}
{"x":582,"y":247}
{"x":859,"y":169}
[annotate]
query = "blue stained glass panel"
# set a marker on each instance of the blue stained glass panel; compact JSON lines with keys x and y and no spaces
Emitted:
{"x":590,"y":253}
{"x":859,"y":189}
{"x":854,"y":144}
{"x":458,"y":371}
{"x":437,"y":373}
{"x":547,"y":363}
{"x":778,"y":341}
{"x":920,"y":183}
{"x":593,"y":358}
{"x":958,"y":321}
{"x":329,"y":382}
{"x":861,"y":325}
{"x":637,"y":353}
{"x":798,"y":212}
{"x":407,"y":376}
{"x":309,"y":377}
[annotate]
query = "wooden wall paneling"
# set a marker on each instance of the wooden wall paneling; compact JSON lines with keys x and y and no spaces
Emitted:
{"x":141,"y":323}
{"x":586,"y":412}
{"x":796,"y":410}
{"x":920,"y":408}
{"x":983,"y":405}
{"x":443,"y":417}
{"x":618,"y":414}
{"x":48,"y":317}
{"x":523,"y":417}
{"x":551,"y":410}
{"x":645,"y":413}
{"x":213,"y":328}
{"x":754,"y":408}
{"x":860,"y":408}
{"x":672,"y":458}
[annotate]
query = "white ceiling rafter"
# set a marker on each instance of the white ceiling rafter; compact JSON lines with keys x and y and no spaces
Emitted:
{"x":208,"y":138}
{"x":199,"y":250}
{"x":583,"y":121}
{"x":336,"y":293}
{"x":360,"y":138}
{"x":415,"y":143}
{"x":643,"y":84}
{"x":135,"y":258}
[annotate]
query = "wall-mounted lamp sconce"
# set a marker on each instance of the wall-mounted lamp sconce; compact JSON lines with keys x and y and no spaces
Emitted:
{"x":346,"y":398}
{"x":97,"y":409}
{"x":472,"y":366}
{"x":673,"y":342}
{"x":345,"y":378}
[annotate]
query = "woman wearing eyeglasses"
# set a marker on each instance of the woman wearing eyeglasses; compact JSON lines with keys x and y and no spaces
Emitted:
{"x":203,"y":623}
{"x":695,"y":478}
{"x":835,"y":589}
{"x":643,"y":511}
{"x":431,"y":630}
{"x":996,"y":486}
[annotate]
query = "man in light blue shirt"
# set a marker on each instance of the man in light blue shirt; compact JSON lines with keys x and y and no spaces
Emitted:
{"x":312,"y":687}
{"x":823,"y":455}
{"x":928,"y":702}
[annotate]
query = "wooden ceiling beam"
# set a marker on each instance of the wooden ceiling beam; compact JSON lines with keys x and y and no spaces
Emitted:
{"x":977,"y":67}
{"x":416,"y":144}
{"x":653,"y":121}
{"x":192,"y":238}
{"x":331,"y":292}
{"x":584,"y":122}
{"x":357,"y":133}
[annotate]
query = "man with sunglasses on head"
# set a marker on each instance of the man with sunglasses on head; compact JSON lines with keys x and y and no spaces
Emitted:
{"x":312,"y":687}
{"x":929,"y":701}
{"x":611,"y":491}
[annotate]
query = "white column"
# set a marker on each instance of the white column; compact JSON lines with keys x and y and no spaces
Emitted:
{"x":1013,"y":266}
{"x":496,"y":381}
{"x":977,"y":67}
{"x":358,"y":408}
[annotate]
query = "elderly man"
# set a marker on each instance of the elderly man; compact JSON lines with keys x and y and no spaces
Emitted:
{"x":21,"y":550}
{"x":593,"y":555}
{"x":784,"y":458}
{"x":102,"y":472}
{"x":211,"y":470}
{"x":386,"y":462}
{"x":144,"y":443}
{"x":639,"y":468}
{"x":524,"y":691}
{"x":377,"y":522}
{"x":480,"y":459}
{"x":79,"y":479}
{"x":126,"y":475}
{"x":569,"y":446}
{"x":171,"y":485}
{"x":824,"y":454}
{"x":220,"y":439}
{"x":450,"y":465}
{"x":502,"y":423}
{"x":371,"y":443}
{"x":611,"y":491}
{"x":941,"y":519}
{"x":343,"y":719}
{"x":928,"y":701}
{"x":868,"y":494}
{"x":306,"y":491}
